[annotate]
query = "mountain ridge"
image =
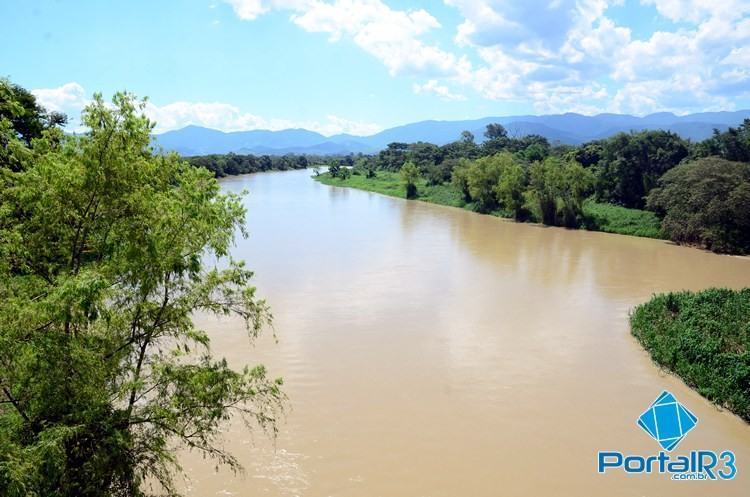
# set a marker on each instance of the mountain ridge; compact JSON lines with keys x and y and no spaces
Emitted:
{"x":569,"y":128}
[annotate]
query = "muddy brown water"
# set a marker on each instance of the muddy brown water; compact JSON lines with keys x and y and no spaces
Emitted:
{"x":432,"y":352}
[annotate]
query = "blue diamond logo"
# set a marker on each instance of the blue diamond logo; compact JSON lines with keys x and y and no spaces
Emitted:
{"x":667,"y":421}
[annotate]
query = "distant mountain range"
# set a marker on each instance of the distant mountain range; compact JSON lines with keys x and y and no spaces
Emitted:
{"x":568,"y":128}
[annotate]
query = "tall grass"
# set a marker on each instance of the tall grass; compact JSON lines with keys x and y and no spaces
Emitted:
{"x":621,"y":220}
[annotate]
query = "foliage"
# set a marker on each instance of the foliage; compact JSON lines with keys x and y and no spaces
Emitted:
{"x":102,"y":371}
{"x":28,"y":119}
{"x":483,"y":177}
{"x":733,"y":144}
{"x":233,"y":164}
{"x":706,"y":202}
{"x":621,"y":220}
{"x":392,"y":157}
{"x":410,"y":175}
{"x":460,"y":179}
{"x":510,"y":190}
{"x":334,"y":169}
{"x":628,"y":165}
{"x":704,"y":338}
{"x":558,"y":189}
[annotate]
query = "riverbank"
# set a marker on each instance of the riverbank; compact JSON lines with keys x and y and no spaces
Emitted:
{"x":704,"y":338}
{"x":597,"y":216}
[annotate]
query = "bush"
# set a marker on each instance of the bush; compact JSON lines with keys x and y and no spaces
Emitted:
{"x":704,"y":338}
{"x":707,"y":203}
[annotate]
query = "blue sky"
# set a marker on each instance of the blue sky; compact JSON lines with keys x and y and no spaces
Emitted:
{"x":362,"y":65}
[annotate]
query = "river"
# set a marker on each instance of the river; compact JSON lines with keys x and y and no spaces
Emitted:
{"x":432,"y":352}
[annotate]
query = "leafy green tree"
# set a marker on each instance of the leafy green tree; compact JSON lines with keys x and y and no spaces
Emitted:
{"x":393,"y":157}
{"x":424,"y":155}
{"x":27,"y":118}
{"x":103,"y":374}
{"x":334,"y":169}
{"x":345,"y":173}
{"x":460,"y":178}
{"x":558,"y":189}
{"x":630,"y":164}
{"x":463,"y":148}
{"x":410,"y":175}
{"x":495,"y":131}
{"x":496,"y":139}
{"x":511,"y":188}
{"x":483,"y":176}
{"x":706,"y":202}
{"x":733,"y":144}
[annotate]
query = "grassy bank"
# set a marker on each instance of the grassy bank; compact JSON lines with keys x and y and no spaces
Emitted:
{"x":597,"y":216}
{"x":621,"y":220}
{"x":704,"y":338}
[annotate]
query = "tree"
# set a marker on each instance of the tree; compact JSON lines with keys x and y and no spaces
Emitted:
{"x":102,"y":372}
{"x":410,"y":175}
{"x":424,"y":155}
{"x":334,"y":169}
{"x":495,"y":131}
{"x":706,"y":202}
{"x":496,"y":139}
{"x":467,"y":137}
{"x":558,"y":189}
{"x":393,"y":157}
{"x":27,"y":118}
{"x":629,"y":165}
{"x":483,"y":176}
{"x":460,"y":178}
{"x":733,"y":144}
{"x":510,"y":190}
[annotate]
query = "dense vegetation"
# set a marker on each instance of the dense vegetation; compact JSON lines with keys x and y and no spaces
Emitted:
{"x":704,"y":338}
{"x":649,"y":183}
{"x":232,"y":164}
{"x":102,"y":371}
{"x":706,"y":202}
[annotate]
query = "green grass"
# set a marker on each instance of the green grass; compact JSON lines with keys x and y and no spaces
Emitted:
{"x":389,"y":183}
{"x":621,"y":220}
{"x":597,"y":216}
{"x":704,"y":338}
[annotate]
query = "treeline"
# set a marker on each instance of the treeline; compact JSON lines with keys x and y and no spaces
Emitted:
{"x":700,"y":192}
{"x":232,"y":164}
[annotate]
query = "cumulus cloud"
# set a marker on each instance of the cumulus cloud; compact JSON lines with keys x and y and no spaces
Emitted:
{"x":562,"y":55}
{"x":392,"y":36}
{"x":442,"y":91}
{"x":68,"y":96}
{"x":696,"y":11}
{"x":71,"y":98}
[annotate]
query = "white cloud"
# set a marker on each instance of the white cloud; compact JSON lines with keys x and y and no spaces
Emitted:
{"x":432,"y":86}
{"x":68,"y":96}
{"x":71,"y":98}
{"x":392,"y":36}
{"x":559,"y":55}
{"x":696,"y":11}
